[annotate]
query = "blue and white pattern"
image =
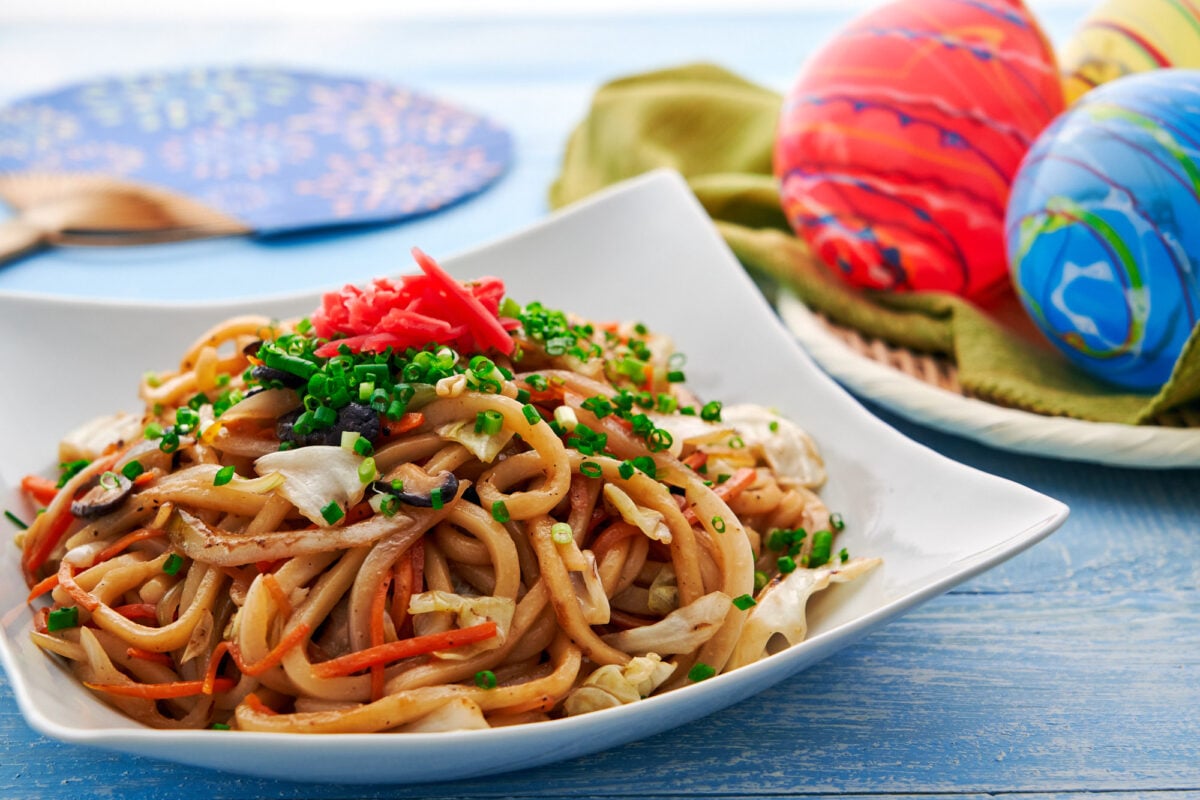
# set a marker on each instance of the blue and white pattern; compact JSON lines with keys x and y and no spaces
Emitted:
{"x":279,"y":150}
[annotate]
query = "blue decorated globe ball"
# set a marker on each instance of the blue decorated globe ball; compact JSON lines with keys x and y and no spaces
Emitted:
{"x":1103,"y":227}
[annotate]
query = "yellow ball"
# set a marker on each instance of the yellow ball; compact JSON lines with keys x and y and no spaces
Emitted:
{"x":1121,"y":37}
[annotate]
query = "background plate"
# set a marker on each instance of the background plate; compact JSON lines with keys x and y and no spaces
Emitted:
{"x":1150,"y":446}
{"x":644,"y":250}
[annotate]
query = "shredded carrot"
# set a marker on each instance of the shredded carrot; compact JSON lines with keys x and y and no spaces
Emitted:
{"x":696,"y":460}
{"x":377,"y":608}
{"x":43,"y":490}
{"x":149,"y":655}
{"x":730,"y":489}
{"x":271,"y":659}
{"x":409,"y":421}
{"x":269,"y":566}
{"x":38,"y":556}
{"x":214,"y":664}
{"x":120,"y":545}
{"x":405,"y":648}
{"x":418,"y":567}
{"x":133,"y":611}
{"x":258,"y":706}
{"x":612,"y":534}
{"x":66,"y":579}
{"x":402,"y":578}
{"x":143,"y":479}
{"x":159,"y":691}
{"x":41,"y":587}
{"x":277,"y":594}
{"x":358,"y":513}
{"x":41,"y":619}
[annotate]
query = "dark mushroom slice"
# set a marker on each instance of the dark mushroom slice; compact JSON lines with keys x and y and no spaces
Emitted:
{"x":419,"y":485}
{"x":102,"y":495}
{"x":361,"y":419}
{"x":268,"y":376}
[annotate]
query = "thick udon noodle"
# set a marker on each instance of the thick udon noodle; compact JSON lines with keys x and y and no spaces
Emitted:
{"x":262,"y":597}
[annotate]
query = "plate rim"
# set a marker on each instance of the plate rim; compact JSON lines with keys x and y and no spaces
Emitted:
{"x":1015,"y":430}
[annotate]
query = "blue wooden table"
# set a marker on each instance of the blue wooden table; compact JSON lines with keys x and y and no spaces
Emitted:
{"x":1071,"y":671}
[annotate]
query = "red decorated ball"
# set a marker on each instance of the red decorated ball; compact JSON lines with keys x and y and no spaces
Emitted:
{"x":898,"y":144}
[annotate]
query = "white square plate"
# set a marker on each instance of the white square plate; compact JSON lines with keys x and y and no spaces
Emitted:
{"x":645,"y":251}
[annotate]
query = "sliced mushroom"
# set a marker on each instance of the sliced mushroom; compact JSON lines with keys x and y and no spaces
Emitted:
{"x":268,"y":375}
{"x":103,"y":495}
{"x":356,"y":417}
{"x":419,"y":485}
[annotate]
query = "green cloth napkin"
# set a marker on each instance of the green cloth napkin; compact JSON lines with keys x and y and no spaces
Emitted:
{"x":718,"y":130}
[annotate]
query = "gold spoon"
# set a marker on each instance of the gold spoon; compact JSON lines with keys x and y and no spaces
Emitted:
{"x":97,"y":210}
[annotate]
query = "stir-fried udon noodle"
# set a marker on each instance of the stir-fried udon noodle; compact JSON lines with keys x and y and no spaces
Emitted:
{"x":424,"y":508}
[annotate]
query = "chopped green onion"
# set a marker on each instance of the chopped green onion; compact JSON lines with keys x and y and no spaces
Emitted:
{"x":625,"y":470}
{"x":744,"y":602}
{"x":500,"y":511}
{"x":561,"y":533}
{"x":197,"y":401}
{"x":736,"y":443}
{"x":786,"y":564}
{"x":531,"y":414}
{"x":367,"y":471}
{"x":70,"y":469}
{"x":675,"y":376}
{"x":711,"y":412}
{"x":15,"y":520}
{"x":109,"y":481}
{"x":224,"y":475}
{"x":170,"y":441}
{"x":700,"y":672}
{"x":186,"y":419}
{"x":219,"y":726}
{"x":363,"y":447}
{"x":62,"y":618}
{"x":836,"y":522}
{"x":822,"y":544}
{"x":590,"y":469}
{"x":774,"y":426}
{"x":153,"y":431}
{"x":760,"y":580}
{"x":396,"y":409}
{"x":537,"y":382}
{"x":843,"y":555}
{"x":659,"y":440}
{"x":390,"y":505}
{"x":721,"y":478}
{"x":565,"y":416}
{"x":485,"y":679}
{"x":132,"y":469}
{"x":489,"y":422}
{"x":332,"y":512}
{"x":324,"y":416}
{"x":646,"y":464}
{"x":718,"y":524}
{"x":598,"y":405}
{"x":523,"y":396}
{"x":435,"y":498}
{"x":152,"y":379}
{"x":776,"y":539}
{"x":223,"y":379}
{"x":173,"y":564}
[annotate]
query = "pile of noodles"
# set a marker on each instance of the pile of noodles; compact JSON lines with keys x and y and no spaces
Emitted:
{"x":208,"y":602}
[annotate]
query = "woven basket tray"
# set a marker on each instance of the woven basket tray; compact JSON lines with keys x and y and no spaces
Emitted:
{"x":925,"y":389}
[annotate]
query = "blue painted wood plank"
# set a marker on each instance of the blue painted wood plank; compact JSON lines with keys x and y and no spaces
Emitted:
{"x":1071,"y":671}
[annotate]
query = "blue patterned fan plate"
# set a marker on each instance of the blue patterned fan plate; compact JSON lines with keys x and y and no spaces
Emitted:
{"x":277,"y":149}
